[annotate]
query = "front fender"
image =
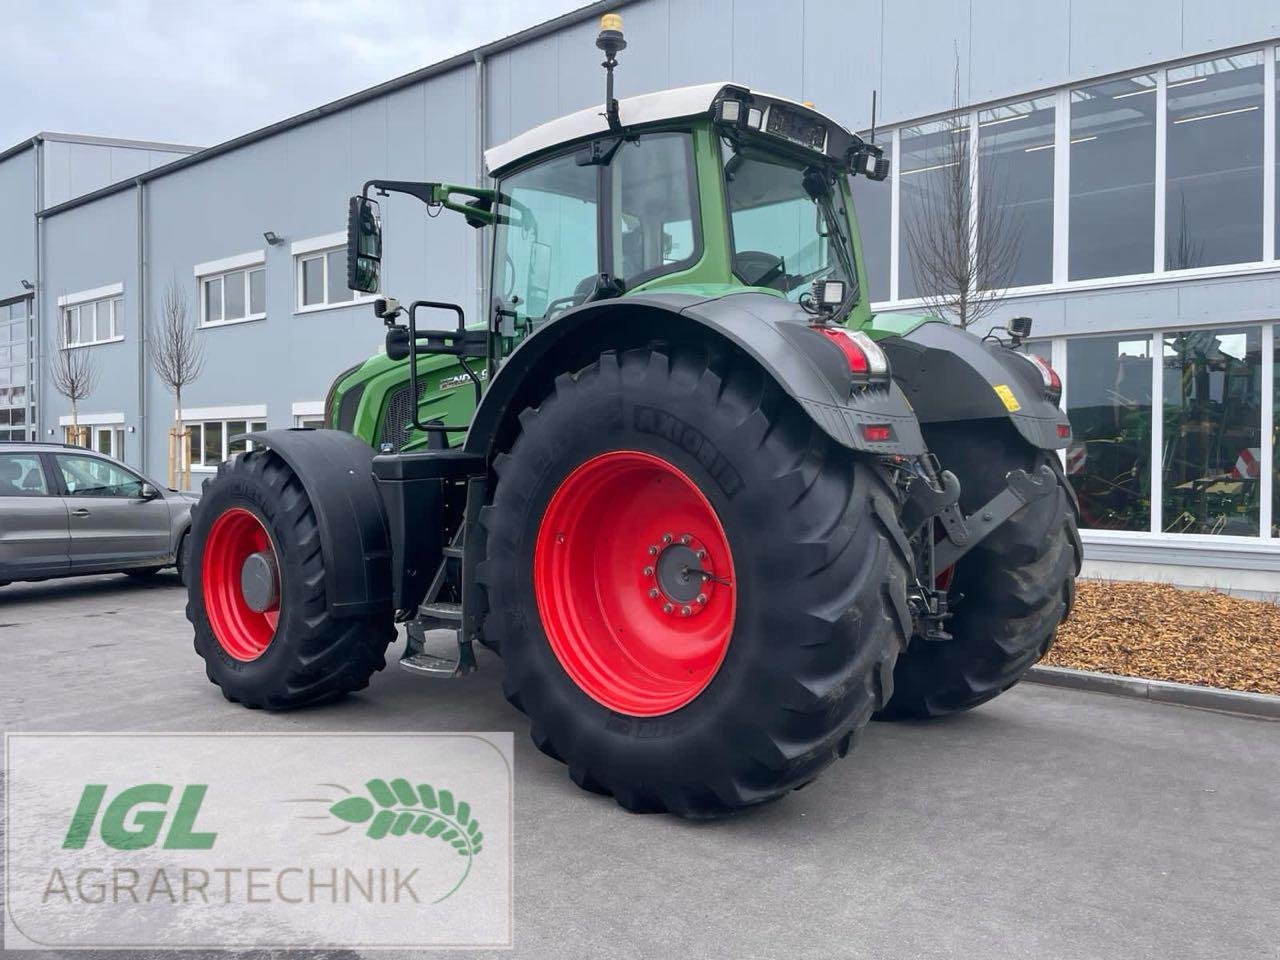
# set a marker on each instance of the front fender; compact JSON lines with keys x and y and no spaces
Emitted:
{"x":336,"y":471}
{"x":768,"y":329}
{"x":948,"y":374}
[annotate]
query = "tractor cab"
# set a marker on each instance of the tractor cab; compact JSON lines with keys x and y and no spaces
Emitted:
{"x":703,"y":190}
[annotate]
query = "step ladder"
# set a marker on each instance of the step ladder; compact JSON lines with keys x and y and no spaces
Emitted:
{"x":436,"y":645}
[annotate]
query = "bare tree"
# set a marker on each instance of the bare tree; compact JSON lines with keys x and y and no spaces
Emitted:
{"x":177,"y":356}
{"x":962,"y":249}
{"x":74,"y":374}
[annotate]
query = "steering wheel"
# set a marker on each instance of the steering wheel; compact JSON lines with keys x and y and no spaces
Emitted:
{"x":766,"y":268}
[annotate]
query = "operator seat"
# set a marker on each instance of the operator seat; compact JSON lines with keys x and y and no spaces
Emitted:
{"x":10,"y":473}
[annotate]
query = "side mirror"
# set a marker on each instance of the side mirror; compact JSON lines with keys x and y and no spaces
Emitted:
{"x":147,"y":491}
{"x":364,"y":245}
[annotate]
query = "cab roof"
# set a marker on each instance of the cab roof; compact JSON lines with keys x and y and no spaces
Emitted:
{"x":646,"y":108}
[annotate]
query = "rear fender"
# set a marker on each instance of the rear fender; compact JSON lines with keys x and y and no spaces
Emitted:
{"x":336,"y":471}
{"x":768,"y":329}
{"x":948,"y":374}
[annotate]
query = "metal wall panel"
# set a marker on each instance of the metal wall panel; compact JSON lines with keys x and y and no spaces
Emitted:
{"x":17,"y":223}
{"x":74,"y":169}
{"x":86,"y":248}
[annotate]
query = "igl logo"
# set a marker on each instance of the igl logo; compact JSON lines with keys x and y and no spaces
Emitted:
{"x":135,"y":818}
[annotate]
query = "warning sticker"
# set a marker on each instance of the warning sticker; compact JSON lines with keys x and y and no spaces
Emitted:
{"x":1007,"y":398}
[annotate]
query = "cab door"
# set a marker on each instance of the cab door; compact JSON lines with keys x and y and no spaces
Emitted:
{"x":34,"y":536}
{"x":112,"y":524}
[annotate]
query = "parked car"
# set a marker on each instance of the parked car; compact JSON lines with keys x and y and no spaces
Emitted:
{"x":66,"y":511}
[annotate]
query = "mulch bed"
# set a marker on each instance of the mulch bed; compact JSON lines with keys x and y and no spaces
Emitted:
{"x":1162,"y":632}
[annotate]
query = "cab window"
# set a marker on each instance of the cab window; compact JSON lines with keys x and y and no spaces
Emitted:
{"x":781,"y":238}
{"x":91,"y":477}
{"x":546,"y":257}
{"x":654,"y":190}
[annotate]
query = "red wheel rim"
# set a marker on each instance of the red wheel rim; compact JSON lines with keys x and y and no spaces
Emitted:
{"x":243,"y":632}
{"x":635,"y":584}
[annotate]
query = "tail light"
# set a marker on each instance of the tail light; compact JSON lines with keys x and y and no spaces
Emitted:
{"x":867,"y":362}
{"x":1052,"y":382}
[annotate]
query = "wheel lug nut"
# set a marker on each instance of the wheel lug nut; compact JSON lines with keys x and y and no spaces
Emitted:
{"x":685,"y":538}
{"x":667,"y":608}
{"x":702,"y":598}
{"x":648,"y":571}
{"x":702,"y":554}
{"x":653,"y":593}
{"x":653,"y":551}
{"x":667,"y":538}
{"x":685,"y":611}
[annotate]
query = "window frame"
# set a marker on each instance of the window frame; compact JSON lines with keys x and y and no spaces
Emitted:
{"x":252,"y":424}
{"x":219,"y":271}
{"x":319,"y":248}
{"x":1270,"y":262}
{"x":1264,"y":543}
{"x":112,"y":296}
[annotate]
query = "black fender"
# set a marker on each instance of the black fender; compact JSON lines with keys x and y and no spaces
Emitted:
{"x":773,"y":332}
{"x":336,"y":470}
{"x":949,"y":374}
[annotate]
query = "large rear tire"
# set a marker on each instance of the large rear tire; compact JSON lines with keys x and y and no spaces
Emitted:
{"x":1010,"y":592}
{"x":652,"y":465}
{"x":276,"y":646}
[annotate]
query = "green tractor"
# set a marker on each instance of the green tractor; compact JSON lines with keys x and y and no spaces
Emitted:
{"x":710,"y":511}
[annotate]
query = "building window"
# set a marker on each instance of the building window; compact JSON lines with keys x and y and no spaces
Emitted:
{"x":1275,"y":431}
{"x":95,"y":321}
{"x":934,"y":163}
{"x":1109,"y":404}
{"x":211,"y":441}
{"x":1113,"y":178}
{"x":1213,"y":166}
{"x":1015,"y":193}
{"x":322,"y":279}
{"x":1212,"y":431}
{"x":233,"y":296}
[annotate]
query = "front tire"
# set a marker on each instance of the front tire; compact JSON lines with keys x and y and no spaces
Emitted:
{"x":275,"y":645}
{"x":693,"y":703}
{"x":1009,"y":593}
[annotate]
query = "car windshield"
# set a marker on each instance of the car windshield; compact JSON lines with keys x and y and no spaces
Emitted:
{"x":784,"y":237}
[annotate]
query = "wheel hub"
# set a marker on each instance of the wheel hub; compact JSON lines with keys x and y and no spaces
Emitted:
{"x":633,"y":578}
{"x":260,"y":581}
{"x":681,"y":575}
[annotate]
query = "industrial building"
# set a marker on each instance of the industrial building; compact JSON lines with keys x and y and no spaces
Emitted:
{"x":1135,"y":146}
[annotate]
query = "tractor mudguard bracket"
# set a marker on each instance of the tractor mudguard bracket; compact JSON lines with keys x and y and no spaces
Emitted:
{"x":1021,"y":488}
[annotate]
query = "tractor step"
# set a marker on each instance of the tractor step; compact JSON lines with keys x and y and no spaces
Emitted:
{"x":452,"y":551}
{"x":437,"y":653}
{"x":439,"y":615}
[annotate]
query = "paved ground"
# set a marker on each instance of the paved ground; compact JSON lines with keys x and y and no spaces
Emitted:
{"x":1048,"y":824}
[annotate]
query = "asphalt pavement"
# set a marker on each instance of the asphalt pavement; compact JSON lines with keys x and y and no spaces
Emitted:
{"x":1049,"y":823}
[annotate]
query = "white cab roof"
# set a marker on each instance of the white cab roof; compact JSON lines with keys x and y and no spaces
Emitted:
{"x":674,"y":104}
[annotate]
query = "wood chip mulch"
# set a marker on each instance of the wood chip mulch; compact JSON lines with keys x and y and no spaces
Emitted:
{"x":1162,"y":632}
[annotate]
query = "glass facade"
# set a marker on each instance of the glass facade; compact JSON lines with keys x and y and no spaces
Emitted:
{"x":1109,"y":404}
{"x":1015,"y":194}
{"x":1212,"y":430}
{"x":1213,"y":170}
{"x":1113,"y":178}
{"x":1158,"y":172}
{"x":15,"y":371}
{"x":934,"y":177}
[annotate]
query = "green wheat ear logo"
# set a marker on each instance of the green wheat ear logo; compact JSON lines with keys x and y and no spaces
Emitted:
{"x":397,"y":808}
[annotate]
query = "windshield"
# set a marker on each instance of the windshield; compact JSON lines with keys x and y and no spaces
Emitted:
{"x":783,"y":237}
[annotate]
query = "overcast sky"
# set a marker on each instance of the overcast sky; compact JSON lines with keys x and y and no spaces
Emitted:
{"x":199,"y":73}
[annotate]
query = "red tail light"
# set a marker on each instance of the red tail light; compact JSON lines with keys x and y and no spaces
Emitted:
{"x":1052,"y":382}
{"x":863,"y":354}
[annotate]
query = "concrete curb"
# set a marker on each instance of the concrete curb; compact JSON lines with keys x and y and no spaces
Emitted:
{"x":1161,"y":691}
